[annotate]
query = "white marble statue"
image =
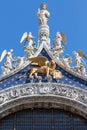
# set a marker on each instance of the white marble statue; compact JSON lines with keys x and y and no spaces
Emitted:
{"x":80,"y":67}
{"x":58,"y":48}
{"x":66,"y":61}
{"x":19,"y":61}
{"x":7,"y":66}
{"x":43,"y":14}
{"x":29,"y":49}
{"x":77,"y":58}
{"x":58,"y":40}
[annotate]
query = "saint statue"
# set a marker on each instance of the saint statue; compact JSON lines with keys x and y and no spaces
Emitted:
{"x":80,"y":62}
{"x":30,"y":48}
{"x":58,"y":48}
{"x":43,"y":14}
{"x":7,"y":66}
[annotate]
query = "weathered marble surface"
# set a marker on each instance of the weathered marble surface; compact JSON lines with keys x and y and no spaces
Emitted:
{"x":43,"y":95}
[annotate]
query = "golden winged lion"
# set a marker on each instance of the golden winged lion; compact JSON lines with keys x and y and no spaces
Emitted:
{"x":44,"y":67}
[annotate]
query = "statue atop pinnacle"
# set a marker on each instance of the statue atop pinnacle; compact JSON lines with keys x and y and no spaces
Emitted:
{"x":43,"y":33}
{"x":30,"y":48}
{"x":43,"y":14}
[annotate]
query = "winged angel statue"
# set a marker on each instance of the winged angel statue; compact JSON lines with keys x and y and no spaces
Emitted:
{"x":7,"y":67}
{"x":80,"y":62}
{"x":57,"y":46}
{"x":44,"y":67}
{"x":29,"y":49}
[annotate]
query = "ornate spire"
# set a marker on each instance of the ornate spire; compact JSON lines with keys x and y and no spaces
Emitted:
{"x":43,"y":34}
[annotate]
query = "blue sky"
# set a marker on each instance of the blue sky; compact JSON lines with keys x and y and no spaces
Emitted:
{"x":18,"y":16}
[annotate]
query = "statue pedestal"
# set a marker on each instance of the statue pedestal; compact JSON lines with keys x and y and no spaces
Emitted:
{"x":43,"y":35}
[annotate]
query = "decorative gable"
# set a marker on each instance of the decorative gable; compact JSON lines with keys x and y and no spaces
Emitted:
{"x":43,"y":75}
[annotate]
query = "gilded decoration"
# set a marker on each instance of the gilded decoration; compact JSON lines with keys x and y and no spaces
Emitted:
{"x":44,"y":74}
{"x":45,"y":67}
{"x":43,"y":61}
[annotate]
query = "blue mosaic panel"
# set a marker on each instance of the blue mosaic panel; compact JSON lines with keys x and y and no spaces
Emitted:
{"x":43,"y":119}
{"x":22,"y":77}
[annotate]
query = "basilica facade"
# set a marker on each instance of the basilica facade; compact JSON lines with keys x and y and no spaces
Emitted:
{"x":43,"y":90}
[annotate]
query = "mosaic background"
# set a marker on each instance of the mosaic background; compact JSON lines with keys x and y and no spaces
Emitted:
{"x":22,"y":77}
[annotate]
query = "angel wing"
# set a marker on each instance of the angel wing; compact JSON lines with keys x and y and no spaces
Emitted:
{"x":63,"y":36}
{"x":4,"y":53}
{"x":24,"y":36}
{"x":81,"y":53}
{"x":40,"y":61}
